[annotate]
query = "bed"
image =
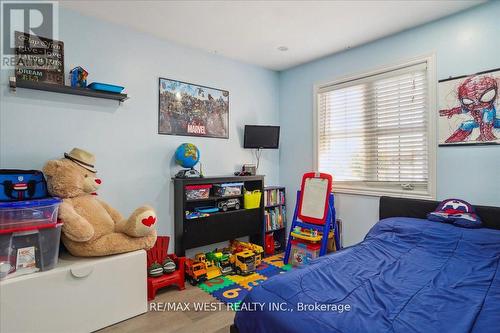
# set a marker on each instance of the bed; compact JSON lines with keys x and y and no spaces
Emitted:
{"x":408,"y":275}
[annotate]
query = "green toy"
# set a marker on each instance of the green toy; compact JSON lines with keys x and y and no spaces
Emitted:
{"x":221,"y":260}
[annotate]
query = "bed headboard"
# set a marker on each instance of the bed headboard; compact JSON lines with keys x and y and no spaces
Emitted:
{"x":393,"y":207}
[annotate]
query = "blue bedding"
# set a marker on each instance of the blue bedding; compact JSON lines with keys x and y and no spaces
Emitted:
{"x":408,"y":275}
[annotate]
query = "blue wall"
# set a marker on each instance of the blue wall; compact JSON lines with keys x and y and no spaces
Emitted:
{"x":134,"y":162}
{"x":464,"y":43}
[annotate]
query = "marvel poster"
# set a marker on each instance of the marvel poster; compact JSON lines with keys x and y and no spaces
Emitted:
{"x":192,"y":110}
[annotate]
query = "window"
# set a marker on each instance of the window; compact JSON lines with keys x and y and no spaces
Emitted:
{"x":375,"y":132}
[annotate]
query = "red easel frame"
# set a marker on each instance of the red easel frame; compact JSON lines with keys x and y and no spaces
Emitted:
{"x":309,"y":175}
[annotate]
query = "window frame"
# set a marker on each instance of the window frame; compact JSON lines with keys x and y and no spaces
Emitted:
{"x":379,"y":190}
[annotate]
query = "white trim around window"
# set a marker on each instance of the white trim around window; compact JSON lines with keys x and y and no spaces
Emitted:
{"x":423,"y":190}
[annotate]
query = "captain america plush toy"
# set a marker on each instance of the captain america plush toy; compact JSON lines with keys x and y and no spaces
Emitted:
{"x":457,"y":212}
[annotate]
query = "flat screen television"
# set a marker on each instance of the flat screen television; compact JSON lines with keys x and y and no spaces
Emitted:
{"x":261,"y":137}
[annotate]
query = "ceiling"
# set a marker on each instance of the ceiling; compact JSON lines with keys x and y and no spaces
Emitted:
{"x":252,"y":31}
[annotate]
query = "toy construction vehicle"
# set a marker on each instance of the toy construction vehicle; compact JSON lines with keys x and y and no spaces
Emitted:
{"x":225,"y":264}
{"x":244,"y":262}
{"x":196,"y":271}
{"x":221,"y":260}
{"x":213,"y":270}
{"x":238,"y":246}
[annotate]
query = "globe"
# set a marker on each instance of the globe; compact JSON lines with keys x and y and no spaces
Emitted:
{"x":187,"y":155}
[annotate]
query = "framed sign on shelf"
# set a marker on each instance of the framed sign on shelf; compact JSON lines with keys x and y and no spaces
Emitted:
{"x":39,"y":59}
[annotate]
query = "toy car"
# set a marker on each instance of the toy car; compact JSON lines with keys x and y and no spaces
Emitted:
{"x":231,"y":203}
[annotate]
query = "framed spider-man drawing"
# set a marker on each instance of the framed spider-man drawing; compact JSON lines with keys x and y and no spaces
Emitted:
{"x":468,"y":109}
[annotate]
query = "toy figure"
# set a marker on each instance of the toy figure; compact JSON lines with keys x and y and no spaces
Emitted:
{"x":78,"y":77}
{"x":477,"y":95}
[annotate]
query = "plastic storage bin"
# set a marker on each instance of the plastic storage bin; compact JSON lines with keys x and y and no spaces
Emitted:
{"x":228,"y":189}
{"x":20,"y":215}
{"x":196,"y":192}
{"x":251,"y":199}
{"x":106,"y":87}
{"x":29,"y":250}
{"x":303,"y":252}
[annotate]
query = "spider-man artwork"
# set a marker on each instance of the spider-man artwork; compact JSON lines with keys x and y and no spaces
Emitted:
{"x":468,"y":109}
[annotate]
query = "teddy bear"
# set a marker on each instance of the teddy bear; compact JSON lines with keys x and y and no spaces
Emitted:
{"x":91,"y":226}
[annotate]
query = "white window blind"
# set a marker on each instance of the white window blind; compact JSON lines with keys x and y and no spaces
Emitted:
{"x":373,"y":131}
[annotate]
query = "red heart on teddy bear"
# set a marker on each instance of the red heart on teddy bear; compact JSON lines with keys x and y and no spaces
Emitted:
{"x":149,"y":221}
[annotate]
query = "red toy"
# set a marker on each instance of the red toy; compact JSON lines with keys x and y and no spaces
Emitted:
{"x":158,"y":253}
{"x":269,"y":244}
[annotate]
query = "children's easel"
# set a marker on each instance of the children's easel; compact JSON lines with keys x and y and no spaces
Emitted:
{"x":315,"y":210}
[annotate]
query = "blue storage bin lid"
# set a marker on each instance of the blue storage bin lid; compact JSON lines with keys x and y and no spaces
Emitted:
{"x":31,"y":203}
{"x":229,"y":184}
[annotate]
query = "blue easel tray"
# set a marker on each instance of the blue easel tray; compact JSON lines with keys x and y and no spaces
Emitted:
{"x":105,"y":87}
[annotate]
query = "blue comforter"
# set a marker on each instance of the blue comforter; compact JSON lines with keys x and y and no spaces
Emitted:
{"x":408,"y":275}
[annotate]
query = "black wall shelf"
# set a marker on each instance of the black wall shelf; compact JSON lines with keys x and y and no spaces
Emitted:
{"x":217,"y":227}
{"x":62,"y":89}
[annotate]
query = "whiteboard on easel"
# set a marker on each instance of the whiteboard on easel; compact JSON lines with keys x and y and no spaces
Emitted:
{"x":313,"y":197}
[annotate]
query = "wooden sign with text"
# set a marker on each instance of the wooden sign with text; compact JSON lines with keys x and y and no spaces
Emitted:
{"x":39,"y":59}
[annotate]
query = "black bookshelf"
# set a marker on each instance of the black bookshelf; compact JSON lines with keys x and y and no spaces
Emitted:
{"x":63,"y":89}
{"x":279,"y":231}
{"x":220,"y":226}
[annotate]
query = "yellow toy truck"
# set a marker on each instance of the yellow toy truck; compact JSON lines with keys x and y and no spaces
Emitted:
{"x":238,"y":246}
{"x":244,"y":262}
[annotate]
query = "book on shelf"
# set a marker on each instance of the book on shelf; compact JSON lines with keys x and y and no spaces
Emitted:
{"x":275,"y":218}
{"x":274,"y":197}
